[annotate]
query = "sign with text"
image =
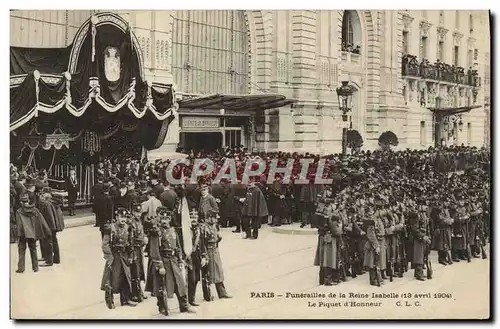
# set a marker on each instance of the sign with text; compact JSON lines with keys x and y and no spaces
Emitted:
{"x":200,"y":122}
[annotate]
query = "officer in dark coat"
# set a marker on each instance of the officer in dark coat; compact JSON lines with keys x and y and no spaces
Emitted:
{"x":48,"y":212}
{"x":164,"y":277}
{"x":31,"y":226}
{"x":117,"y":248}
{"x":254,"y":208}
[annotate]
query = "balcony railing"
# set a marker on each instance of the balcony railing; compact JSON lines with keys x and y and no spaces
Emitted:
{"x":439,"y":71}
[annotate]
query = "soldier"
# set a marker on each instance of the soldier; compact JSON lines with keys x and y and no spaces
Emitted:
{"x":207,"y":202}
{"x":31,"y":226}
{"x":117,"y":249}
{"x":442,"y":232}
{"x":329,"y":234}
{"x":194,"y":262}
{"x":420,"y":240}
{"x":459,"y":249}
{"x":139,"y":240}
{"x":254,"y":208}
{"x":165,"y":276}
{"x":375,"y":231}
{"x":210,"y":257}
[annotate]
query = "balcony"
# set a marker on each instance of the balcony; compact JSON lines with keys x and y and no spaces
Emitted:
{"x":439,"y":71}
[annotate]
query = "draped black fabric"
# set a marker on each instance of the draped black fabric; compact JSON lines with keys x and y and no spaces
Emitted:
{"x":162,"y":101}
{"x":46,"y":60}
{"x":84,"y":70}
{"x":150,"y":131}
{"x":22,"y":98}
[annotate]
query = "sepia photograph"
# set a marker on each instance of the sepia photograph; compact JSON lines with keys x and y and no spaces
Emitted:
{"x":250,"y":164}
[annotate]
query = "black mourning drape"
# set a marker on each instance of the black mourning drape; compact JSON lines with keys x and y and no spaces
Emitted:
{"x":150,"y":131}
{"x":47,"y":60}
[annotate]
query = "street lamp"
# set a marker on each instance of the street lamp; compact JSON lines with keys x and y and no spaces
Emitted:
{"x":344,"y":94}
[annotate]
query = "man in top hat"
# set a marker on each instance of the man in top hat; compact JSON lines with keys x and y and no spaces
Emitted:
{"x":254,"y":208}
{"x":72,"y":187}
{"x":122,"y":199}
{"x":117,"y":249}
{"x":104,"y":209}
{"x":31,"y":226}
{"x":97,"y":195}
{"x":164,"y":277}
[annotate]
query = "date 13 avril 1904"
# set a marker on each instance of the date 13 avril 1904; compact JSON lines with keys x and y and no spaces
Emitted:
{"x":339,"y":299}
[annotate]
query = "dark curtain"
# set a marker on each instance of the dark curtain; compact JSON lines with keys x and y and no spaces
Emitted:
{"x":46,"y":60}
{"x":22,"y":98}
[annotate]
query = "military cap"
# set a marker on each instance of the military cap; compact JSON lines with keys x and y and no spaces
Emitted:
{"x":29,"y":183}
{"x":121,"y":212}
{"x":24,"y":197}
{"x":162,"y":211}
{"x":136,"y":207}
{"x":123,"y":185}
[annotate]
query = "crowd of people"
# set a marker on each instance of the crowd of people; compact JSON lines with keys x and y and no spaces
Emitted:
{"x":382,"y":211}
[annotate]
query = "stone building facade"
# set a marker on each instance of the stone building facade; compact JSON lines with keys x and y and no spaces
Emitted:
{"x":304,"y":55}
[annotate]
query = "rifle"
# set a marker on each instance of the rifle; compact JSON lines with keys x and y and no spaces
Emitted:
{"x":163,"y":305}
{"x":391,"y":262}
{"x":427,"y":261}
{"x":378,"y":275}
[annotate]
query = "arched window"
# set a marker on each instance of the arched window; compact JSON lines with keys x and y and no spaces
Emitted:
{"x":351,"y":32}
{"x":210,"y":51}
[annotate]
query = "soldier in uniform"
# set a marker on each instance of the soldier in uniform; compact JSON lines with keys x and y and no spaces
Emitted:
{"x":420,"y":241}
{"x":194,"y":262}
{"x":442,"y":231}
{"x":31,"y":226}
{"x":459,"y":250}
{"x":212,"y":270}
{"x":375,"y":231}
{"x":117,"y":249}
{"x":329,"y":235}
{"x":139,"y":240}
{"x":165,"y":276}
{"x":254,"y":208}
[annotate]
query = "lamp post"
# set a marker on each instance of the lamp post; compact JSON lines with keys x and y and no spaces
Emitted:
{"x":344,"y":94}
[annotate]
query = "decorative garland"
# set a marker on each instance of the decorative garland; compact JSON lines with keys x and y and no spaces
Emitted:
{"x":94,"y":94}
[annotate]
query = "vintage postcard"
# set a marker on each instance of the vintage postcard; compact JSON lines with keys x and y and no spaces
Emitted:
{"x":250,"y":164}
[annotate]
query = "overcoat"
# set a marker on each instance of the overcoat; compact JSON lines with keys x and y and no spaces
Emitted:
{"x":255,"y":204}
{"x":116,"y":249}
{"x":31,"y":224}
{"x":210,"y":250}
{"x":329,"y":240}
{"x":165,"y":252}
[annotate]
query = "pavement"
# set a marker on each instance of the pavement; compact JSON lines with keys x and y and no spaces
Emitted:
{"x":266,"y":278}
